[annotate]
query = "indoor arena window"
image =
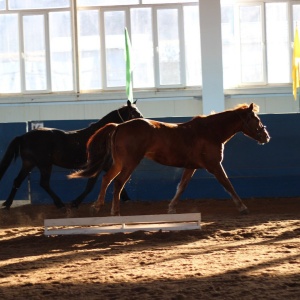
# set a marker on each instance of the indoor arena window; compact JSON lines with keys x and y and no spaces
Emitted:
{"x":52,"y":46}
{"x":257,"y":40}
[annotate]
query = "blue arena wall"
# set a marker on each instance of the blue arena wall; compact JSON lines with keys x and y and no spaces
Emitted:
{"x":7,"y":132}
{"x":272,"y":170}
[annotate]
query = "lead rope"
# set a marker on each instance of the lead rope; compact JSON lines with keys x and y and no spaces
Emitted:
{"x":120,"y":116}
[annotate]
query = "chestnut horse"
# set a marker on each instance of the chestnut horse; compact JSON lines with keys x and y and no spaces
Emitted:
{"x":198,"y":143}
{"x":45,"y":147}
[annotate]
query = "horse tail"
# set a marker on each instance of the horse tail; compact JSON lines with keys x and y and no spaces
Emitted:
{"x":12,"y":153}
{"x":98,"y":152}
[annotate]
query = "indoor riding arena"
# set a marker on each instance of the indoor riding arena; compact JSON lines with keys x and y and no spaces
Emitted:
{"x":194,"y":72}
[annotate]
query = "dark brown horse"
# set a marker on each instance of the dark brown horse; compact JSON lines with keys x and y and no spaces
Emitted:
{"x":45,"y":147}
{"x":196,"y":144}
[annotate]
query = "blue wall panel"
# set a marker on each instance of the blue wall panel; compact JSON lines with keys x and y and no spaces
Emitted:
{"x":7,"y":132}
{"x":271,"y":170}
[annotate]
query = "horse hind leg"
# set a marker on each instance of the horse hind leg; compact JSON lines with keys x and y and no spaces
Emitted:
{"x":119,"y":183}
{"x":89,"y":186}
{"x":106,"y":166}
{"x":25,"y":170}
{"x":185,"y":179}
{"x":106,"y":180}
{"x":124,"y":196}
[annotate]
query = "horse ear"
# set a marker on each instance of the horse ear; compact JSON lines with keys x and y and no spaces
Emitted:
{"x":251,"y":106}
{"x":135,"y":101}
{"x":128,"y":103}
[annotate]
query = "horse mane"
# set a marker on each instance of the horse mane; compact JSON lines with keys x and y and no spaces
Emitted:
{"x":245,"y":105}
{"x":104,"y":120}
{"x":238,"y":106}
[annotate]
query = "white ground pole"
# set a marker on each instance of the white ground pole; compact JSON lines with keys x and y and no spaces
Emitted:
{"x":99,"y":225}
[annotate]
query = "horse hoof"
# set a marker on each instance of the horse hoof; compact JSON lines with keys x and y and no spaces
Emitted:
{"x":171,"y":211}
{"x":94,"y":210}
{"x":69,"y":212}
{"x":74,"y":205}
{"x":5,"y":207}
{"x":115,"y":214}
{"x":63,"y":209}
{"x":244,"y":211}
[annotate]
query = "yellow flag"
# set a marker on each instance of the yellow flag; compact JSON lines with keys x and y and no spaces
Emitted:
{"x":296,"y":62}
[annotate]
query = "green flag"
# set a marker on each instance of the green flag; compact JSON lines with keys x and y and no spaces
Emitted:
{"x":128,"y":67}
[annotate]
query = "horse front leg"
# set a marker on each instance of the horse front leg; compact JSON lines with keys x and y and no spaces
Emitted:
{"x":45,"y":184}
{"x":185,"y":178}
{"x":219,"y":172}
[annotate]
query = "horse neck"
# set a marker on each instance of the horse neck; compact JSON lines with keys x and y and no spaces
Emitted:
{"x":228,"y":123}
{"x":112,"y":117}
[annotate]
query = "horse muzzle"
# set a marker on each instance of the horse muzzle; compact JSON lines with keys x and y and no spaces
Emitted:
{"x":263,"y":136}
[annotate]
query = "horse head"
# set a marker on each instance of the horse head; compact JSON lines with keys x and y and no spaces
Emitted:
{"x":129,"y":111}
{"x":252,"y":125}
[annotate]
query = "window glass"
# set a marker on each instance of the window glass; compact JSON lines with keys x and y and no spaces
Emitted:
{"x":105,"y":2}
{"x":61,"y":51}
{"x":142,"y":47}
{"x":166,"y":1}
{"x":89,"y":50}
{"x":192,"y":45}
{"x":114,"y":24}
{"x":34,"y":52}
{"x":230,"y":52}
{"x":168,"y":46}
{"x":35,"y":4}
{"x":251,"y":44}
{"x":2,"y":4}
{"x":296,"y":17}
{"x":277,"y":34}
{"x":9,"y":54}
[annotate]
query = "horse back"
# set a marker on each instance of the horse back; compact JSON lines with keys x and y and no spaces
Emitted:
{"x":54,"y":146}
{"x":182,"y":144}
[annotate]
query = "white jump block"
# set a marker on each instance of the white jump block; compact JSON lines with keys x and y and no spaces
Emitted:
{"x":98,"y":225}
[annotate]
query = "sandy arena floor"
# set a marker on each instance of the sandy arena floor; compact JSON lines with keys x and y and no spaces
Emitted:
{"x":233,"y":257}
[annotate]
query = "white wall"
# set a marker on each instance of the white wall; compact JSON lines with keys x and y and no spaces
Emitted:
{"x":267,"y":104}
{"x":54,"y":108}
{"x":67,"y":109}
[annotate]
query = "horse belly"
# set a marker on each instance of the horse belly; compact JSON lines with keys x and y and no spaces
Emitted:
{"x":174,"y":158}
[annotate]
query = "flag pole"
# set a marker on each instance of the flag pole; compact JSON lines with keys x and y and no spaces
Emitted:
{"x":129,"y":89}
